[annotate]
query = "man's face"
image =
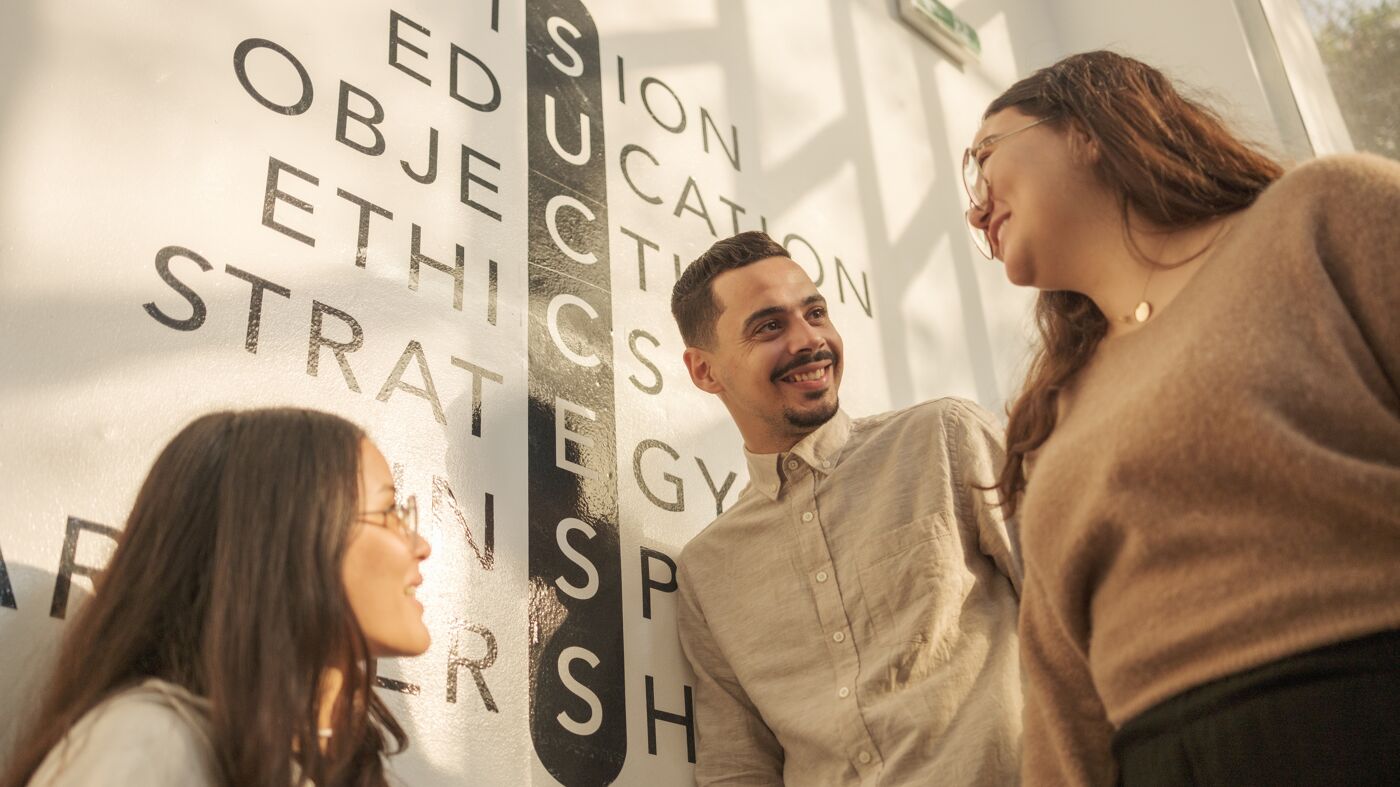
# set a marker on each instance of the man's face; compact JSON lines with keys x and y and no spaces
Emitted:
{"x":776,"y":360}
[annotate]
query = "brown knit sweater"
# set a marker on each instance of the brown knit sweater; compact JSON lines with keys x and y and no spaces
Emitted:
{"x":1222,"y":488}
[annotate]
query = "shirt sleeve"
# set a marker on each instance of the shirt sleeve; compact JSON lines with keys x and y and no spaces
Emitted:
{"x":1067,"y":734}
{"x":733,"y":744}
{"x":977,"y":459}
{"x":1360,"y":247}
{"x":129,"y":741}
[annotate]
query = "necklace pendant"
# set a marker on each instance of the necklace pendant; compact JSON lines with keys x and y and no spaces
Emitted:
{"x":1143,"y":312}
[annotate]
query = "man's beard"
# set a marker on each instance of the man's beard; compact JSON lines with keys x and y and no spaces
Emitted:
{"x":807,"y":420}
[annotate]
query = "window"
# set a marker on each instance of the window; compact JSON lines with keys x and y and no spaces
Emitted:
{"x":1359,"y":44}
{"x":1328,"y":68}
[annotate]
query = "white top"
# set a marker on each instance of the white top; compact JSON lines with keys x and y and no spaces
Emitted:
{"x":154,"y":734}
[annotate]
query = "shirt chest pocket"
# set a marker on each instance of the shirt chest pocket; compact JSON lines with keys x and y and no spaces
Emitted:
{"x":912,"y":576}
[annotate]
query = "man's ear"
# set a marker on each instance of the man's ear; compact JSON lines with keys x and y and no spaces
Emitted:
{"x":700,"y":364}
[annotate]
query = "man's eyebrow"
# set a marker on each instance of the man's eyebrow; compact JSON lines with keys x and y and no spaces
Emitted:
{"x":772,"y":311}
{"x":768,"y":311}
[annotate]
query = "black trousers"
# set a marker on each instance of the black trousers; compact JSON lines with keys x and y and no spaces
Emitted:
{"x":1326,"y":717}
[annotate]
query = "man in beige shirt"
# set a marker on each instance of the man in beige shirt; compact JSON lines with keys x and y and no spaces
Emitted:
{"x":851,"y":620}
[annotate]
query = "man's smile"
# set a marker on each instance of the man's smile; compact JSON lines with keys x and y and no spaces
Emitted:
{"x":809,"y":377}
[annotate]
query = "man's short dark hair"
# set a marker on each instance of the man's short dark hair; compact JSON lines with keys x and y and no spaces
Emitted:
{"x":693,"y":299}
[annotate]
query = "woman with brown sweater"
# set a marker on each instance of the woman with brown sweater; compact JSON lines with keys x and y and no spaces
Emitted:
{"x":1206,"y":454}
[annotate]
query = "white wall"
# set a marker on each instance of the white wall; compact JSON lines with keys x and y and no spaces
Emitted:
{"x":124,"y":130}
{"x":1200,"y":43}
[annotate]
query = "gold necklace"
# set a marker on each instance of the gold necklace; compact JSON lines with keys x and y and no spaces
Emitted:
{"x":1143,"y":312}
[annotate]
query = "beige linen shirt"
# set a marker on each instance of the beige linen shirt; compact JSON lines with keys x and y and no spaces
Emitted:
{"x":852,"y":619}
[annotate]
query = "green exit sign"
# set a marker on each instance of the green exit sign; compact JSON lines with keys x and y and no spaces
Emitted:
{"x":940,"y":25}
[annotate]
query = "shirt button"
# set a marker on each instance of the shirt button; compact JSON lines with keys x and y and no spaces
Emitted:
{"x":843,"y":693}
{"x":826,"y":464}
{"x":821,"y":576}
{"x":865,"y":758}
{"x":807,"y":516}
{"x":839,"y":636}
{"x":792,"y":464}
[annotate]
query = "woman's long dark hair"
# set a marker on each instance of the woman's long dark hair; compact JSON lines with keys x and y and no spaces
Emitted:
{"x":227,"y":581}
{"x":1171,"y":161}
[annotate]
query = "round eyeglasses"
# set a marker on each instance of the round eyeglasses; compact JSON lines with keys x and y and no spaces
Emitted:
{"x":401,"y":518}
{"x":977,"y":186}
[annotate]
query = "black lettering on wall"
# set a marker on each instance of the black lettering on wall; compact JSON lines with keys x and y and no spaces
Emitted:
{"x":444,"y":499}
{"x":492,"y":290}
{"x":718,"y":491}
{"x":255,"y":302}
{"x":396,"y":40}
{"x":477,"y":667}
{"x":68,"y":562}
{"x":842,"y":273}
{"x":678,"y":125}
{"x":734,"y":211}
{"x":683,"y":204}
{"x":577,"y":679}
{"x":273,"y":194}
{"x":478,"y":374}
{"x":343,"y":115}
{"x":402,"y":687}
{"x":624,"y":162}
{"x":469,"y":177}
{"x":431,"y":174}
{"x":649,"y":584}
{"x":678,"y":503}
{"x":642,"y":245}
{"x":240,"y":67}
{"x":7,"y":591}
{"x":199,"y":312}
{"x":458,"y":270}
{"x":652,"y":388}
{"x":427,"y":392}
{"x":707,"y":124}
{"x":686,"y":720}
{"x":338,"y":348}
{"x":787,"y":244}
{"x":490,"y":104}
{"x":367,"y":209}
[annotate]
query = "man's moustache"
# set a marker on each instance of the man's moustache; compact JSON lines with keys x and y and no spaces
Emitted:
{"x":797,"y":363}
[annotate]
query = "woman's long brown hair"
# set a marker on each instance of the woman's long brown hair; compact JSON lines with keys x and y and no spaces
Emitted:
{"x":227,"y":581}
{"x":1171,"y":161}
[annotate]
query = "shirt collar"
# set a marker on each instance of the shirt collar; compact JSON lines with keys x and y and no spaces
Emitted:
{"x":820,"y":450}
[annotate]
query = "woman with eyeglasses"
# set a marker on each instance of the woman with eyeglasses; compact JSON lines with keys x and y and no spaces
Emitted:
{"x":1205,"y":456}
{"x":232,"y":638}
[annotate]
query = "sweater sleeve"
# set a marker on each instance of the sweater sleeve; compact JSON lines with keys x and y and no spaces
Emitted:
{"x":1360,"y":247}
{"x":1067,"y":731}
